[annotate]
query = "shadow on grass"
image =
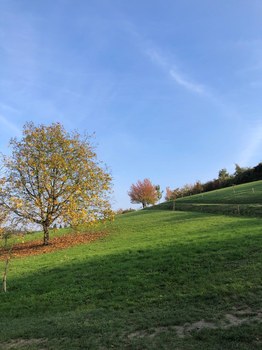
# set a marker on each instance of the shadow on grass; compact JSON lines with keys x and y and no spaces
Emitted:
{"x":104,"y":297}
{"x":177,"y":274}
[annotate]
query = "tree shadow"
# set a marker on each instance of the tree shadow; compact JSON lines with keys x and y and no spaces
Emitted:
{"x":141,"y":287}
{"x":134,"y":276}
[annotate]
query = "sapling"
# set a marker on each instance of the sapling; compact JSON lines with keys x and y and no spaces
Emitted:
{"x":8,"y":244}
{"x":8,"y":251}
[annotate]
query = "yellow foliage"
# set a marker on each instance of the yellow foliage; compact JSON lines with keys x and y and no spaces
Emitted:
{"x":53,"y":174}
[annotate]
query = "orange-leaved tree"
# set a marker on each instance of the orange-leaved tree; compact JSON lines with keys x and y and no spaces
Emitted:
{"x":53,"y":175}
{"x":144,"y":192}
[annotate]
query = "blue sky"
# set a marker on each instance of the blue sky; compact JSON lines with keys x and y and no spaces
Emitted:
{"x":172,"y":88}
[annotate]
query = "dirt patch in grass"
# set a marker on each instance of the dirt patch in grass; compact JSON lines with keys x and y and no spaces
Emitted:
{"x":56,"y":243}
{"x":233,"y":319}
{"x":23,"y":344}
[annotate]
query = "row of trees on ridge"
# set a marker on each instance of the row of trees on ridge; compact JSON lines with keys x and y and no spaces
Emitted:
{"x":241,"y":175}
{"x":146,"y":193}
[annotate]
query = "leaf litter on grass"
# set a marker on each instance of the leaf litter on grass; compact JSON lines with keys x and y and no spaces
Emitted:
{"x":57,"y":243}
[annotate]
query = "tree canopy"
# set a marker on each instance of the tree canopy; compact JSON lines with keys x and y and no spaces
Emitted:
{"x":144,"y":192}
{"x":54,"y":176}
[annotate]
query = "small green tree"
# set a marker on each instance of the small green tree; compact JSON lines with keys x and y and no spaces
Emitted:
{"x":223,"y":175}
{"x":159,"y":192}
{"x":239,"y":170}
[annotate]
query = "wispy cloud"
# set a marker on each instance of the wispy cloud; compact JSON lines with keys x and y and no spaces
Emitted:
{"x":253,"y":146}
{"x":187,"y":84}
{"x":8,"y":108}
{"x":171,"y":69}
{"x":169,"y":64}
{"x":10,"y":125}
{"x":156,"y":57}
{"x":228,"y":110}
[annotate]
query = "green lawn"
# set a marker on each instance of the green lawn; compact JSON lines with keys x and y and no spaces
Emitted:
{"x":156,"y":271}
{"x":245,"y":200}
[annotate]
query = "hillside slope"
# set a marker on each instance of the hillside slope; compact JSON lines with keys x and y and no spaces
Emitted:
{"x":158,"y":280}
{"x":245,"y":199}
{"x":249,"y":193}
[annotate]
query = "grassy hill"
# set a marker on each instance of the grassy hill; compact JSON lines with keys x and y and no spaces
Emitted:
{"x":245,"y":199}
{"x":158,"y":280}
{"x":249,"y":193}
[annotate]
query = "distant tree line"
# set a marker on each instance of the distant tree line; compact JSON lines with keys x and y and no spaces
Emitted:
{"x":240,"y":176}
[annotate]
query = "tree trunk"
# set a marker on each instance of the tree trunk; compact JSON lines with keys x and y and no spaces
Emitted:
{"x":46,"y":235}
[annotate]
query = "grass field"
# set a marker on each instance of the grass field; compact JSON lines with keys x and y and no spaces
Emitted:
{"x":245,"y":199}
{"x":250,"y":193}
{"x":159,"y":280}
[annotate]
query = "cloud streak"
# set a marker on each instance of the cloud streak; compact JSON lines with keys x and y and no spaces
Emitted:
{"x":254,"y":143}
{"x":10,"y":125}
{"x":179,"y":78}
{"x":185,"y":83}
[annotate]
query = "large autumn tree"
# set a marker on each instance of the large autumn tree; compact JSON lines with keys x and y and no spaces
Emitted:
{"x":54,"y":176}
{"x":144,"y":192}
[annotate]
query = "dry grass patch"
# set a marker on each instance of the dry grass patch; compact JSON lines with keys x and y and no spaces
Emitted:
{"x":232,"y":319}
{"x":24,"y":344}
